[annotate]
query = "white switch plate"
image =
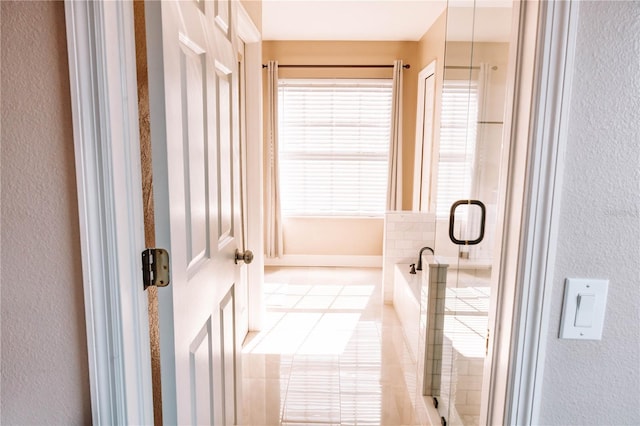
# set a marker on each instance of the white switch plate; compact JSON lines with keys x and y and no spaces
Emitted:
{"x":591,"y":290}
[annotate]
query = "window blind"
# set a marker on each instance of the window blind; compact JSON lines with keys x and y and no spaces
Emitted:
{"x":333,"y":146}
{"x":459,"y":117}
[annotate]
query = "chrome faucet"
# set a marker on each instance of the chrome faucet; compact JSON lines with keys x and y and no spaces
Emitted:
{"x":419,"y":267}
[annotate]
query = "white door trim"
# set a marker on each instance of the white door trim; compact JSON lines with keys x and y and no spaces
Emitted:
{"x":546,"y":132}
{"x":419,"y":167}
{"x":100,"y":41}
{"x":248,"y":32}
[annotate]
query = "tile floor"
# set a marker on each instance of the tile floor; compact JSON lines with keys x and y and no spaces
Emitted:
{"x":331,"y":353}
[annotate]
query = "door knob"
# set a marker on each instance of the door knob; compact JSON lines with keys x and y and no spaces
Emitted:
{"x":246,"y":256}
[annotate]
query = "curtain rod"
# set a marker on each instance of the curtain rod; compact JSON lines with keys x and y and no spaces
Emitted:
{"x":406,"y":66}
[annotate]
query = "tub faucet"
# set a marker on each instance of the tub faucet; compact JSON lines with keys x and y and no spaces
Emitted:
{"x":419,"y":267}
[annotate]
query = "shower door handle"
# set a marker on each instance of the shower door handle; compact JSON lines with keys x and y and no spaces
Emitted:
{"x":452,"y":220}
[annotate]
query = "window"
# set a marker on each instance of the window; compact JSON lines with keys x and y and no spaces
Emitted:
{"x":333,"y":146}
{"x":457,"y":143}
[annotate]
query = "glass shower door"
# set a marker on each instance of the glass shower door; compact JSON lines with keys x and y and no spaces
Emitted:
{"x":467,"y":194}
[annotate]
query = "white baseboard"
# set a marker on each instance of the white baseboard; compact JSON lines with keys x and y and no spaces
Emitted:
{"x":326,"y":260}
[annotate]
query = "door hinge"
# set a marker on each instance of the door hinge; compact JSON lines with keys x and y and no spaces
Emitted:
{"x":486,"y":344}
{"x":155,"y":267}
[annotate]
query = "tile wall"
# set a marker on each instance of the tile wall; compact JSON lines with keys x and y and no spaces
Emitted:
{"x":405,"y":233}
{"x":433,"y":298}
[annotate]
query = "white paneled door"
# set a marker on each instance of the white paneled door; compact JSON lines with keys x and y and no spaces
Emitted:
{"x":193,"y":85}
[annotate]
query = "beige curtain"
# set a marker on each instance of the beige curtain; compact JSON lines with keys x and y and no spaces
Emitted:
{"x":394,"y":181}
{"x":273,"y":217}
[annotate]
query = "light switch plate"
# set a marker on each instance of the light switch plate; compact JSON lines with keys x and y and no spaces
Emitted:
{"x":584,"y":299}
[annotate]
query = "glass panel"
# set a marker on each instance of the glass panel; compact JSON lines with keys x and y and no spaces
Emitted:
{"x":468,"y":168}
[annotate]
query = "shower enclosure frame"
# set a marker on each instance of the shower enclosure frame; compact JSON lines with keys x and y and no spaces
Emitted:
{"x":540,"y":117}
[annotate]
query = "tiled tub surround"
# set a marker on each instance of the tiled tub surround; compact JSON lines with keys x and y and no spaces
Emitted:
{"x":405,"y":233}
{"x":443,"y":314}
{"x":406,"y":302}
{"x":419,"y":301}
{"x":465,"y":327}
{"x":432,"y":303}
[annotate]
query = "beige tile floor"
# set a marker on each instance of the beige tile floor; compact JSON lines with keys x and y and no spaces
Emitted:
{"x":331,"y":353}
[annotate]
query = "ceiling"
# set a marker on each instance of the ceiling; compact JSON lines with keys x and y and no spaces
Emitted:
{"x":393,"y":20}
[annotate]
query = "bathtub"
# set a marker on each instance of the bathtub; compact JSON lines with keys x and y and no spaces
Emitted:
{"x":406,"y":302}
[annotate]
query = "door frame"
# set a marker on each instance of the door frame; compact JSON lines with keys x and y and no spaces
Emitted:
{"x":252,"y":38}
{"x":101,"y":50}
{"x":419,"y":150}
{"x":540,"y":116}
{"x":104,"y":102}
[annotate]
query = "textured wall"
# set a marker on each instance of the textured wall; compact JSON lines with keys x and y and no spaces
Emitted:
{"x":254,"y":9}
{"x":598,"y":382}
{"x":431,"y":47}
{"x":317,"y":236}
{"x":44,"y":352}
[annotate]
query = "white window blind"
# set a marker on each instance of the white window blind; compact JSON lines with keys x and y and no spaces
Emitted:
{"x":457,"y":143}
{"x":333,"y":146}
